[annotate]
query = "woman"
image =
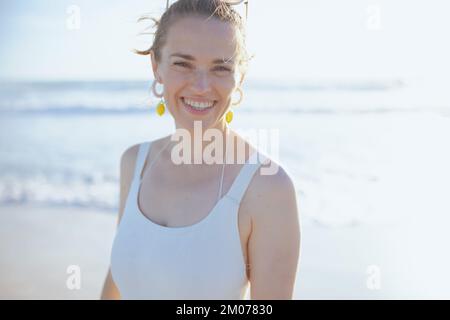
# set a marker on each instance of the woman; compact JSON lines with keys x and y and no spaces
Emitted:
{"x":202,"y":230}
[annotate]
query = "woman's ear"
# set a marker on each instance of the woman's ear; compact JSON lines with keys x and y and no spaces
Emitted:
{"x":154,"y":66}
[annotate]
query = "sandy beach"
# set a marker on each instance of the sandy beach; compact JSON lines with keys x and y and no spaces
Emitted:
{"x":38,"y":244}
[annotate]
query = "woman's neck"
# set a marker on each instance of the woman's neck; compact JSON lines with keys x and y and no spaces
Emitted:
{"x":201,"y":146}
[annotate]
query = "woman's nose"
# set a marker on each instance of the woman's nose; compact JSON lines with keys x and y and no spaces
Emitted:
{"x":201,"y":81}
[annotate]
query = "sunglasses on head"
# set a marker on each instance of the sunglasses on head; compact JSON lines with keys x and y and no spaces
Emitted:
{"x":231,"y":2}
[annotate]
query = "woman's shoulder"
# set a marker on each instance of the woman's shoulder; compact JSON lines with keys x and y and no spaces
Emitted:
{"x":271,"y":193}
{"x":128,"y":157}
{"x":130,"y":153}
{"x":271,"y":176}
{"x":271,"y":172}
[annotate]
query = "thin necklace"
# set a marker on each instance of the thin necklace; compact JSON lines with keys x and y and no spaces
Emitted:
{"x":223,"y":164}
{"x":223,"y":170}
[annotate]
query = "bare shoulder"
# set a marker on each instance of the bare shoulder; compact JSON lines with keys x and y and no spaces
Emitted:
{"x":128,"y":160}
{"x":127,"y":167}
{"x":129,"y":156}
{"x":271,"y":195}
{"x":274,"y":242}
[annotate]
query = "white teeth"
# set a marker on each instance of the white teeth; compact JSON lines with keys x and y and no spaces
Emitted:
{"x":198,"y":105}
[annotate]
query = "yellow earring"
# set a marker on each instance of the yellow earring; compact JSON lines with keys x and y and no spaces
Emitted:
{"x":229,"y":116}
{"x":160,"y":108}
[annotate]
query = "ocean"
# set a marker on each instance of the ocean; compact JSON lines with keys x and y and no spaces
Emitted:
{"x":359,"y":152}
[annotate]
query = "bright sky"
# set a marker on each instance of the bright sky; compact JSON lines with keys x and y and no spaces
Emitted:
{"x":290,"y":39}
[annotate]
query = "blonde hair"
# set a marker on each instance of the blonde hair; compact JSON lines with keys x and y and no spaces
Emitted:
{"x":203,"y":8}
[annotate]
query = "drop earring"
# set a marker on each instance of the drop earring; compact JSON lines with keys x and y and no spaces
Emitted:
{"x":161,"y":106}
{"x":229,"y":114}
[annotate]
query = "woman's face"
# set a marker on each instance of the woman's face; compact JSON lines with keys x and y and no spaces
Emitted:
{"x":198,"y":66}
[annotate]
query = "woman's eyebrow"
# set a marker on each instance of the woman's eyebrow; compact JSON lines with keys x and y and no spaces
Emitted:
{"x":191,"y":58}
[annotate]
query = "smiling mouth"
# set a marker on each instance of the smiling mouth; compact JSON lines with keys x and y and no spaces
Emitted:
{"x":198,"y":108}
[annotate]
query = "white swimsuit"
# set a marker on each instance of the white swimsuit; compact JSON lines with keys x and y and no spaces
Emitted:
{"x":200,"y":261}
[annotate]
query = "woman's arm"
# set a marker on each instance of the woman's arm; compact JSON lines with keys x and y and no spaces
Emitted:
{"x":127,"y":163}
{"x":110,"y":291}
{"x":274,"y":243}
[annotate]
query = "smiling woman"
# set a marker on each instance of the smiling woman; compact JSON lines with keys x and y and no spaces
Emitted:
{"x":230,"y":58}
{"x":194,"y":63}
{"x":202,"y":230}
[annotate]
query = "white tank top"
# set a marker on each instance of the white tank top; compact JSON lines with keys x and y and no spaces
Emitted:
{"x":200,"y":261}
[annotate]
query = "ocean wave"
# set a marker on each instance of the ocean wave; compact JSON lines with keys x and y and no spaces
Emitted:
{"x":250,"y":83}
{"x":94,"y":191}
{"x":135,"y":96}
{"x":101,"y":191}
{"x":313,"y":109}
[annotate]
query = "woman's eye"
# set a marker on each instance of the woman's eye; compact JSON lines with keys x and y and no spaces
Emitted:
{"x":223,"y":68}
{"x":187,"y":65}
{"x":183,"y":64}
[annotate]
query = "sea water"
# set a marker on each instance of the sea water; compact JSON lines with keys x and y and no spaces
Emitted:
{"x":359,"y":152}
